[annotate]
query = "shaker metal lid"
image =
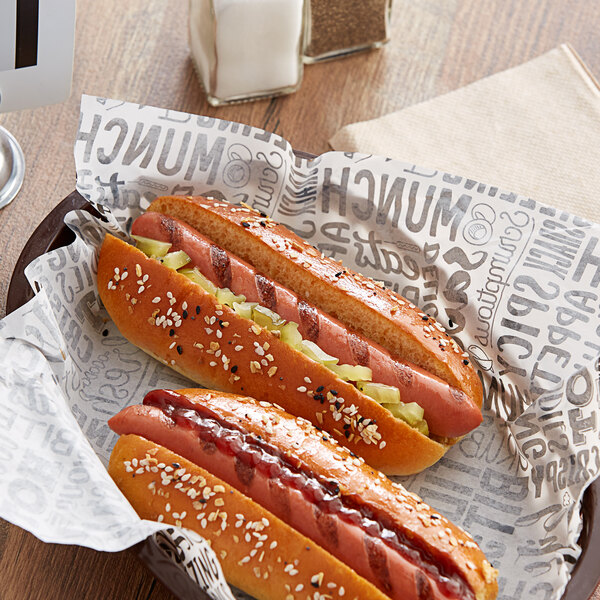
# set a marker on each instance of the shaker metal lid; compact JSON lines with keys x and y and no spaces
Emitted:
{"x":12,"y":167}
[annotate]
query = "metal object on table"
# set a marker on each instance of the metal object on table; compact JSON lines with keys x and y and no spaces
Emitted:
{"x":12,"y":167}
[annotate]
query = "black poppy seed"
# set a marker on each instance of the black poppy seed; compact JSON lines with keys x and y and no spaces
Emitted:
{"x":339,"y":274}
{"x":262,"y":214}
{"x":450,"y":323}
{"x":124,"y":268}
{"x":425,"y":318}
{"x":281,"y":379}
{"x":361,"y":419}
{"x":194,"y":318}
{"x":315,"y":584}
{"x":434,"y":517}
{"x":334,"y":392}
{"x":171,"y":332}
{"x":176,"y":465}
{"x":324,"y":439}
{"x":346,"y":426}
{"x":245,"y":224}
{"x":318,"y":396}
{"x":179,"y":350}
{"x":320,"y":388}
{"x":352,"y":454}
{"x":198,"y":310}
{"x":105,"y":332}
{"x":234,"y":368}
{"x":184,"y":314}
{"x":221,"y":323}
{"x":337,"y":405}
{"x":465,"y":362}
{"x":263,"y":224}
{"x":346,"y":434}
{"x":202,"y":501}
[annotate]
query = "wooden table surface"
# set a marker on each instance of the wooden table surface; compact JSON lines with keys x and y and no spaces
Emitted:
{"x":137,"y":51}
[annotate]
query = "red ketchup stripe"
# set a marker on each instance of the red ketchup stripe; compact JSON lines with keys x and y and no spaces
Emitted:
{"x":314,"y":507}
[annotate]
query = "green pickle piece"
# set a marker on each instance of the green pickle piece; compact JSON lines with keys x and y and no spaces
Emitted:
{"x":150,"y":247}
{"x":197,"y":277}
{"x":290,"y":335}
{"x":244,"y":309}
{"x":313,"y":351}
{"x":227,"y":297}
{"x":265,"y":317}
{"x":175,"y":260}
{"x":352,"y":372}
{"x":384,"y":394}
{"x":410,"y":413}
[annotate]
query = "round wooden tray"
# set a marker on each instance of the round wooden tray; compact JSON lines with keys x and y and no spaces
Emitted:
{"x":53,"y":233}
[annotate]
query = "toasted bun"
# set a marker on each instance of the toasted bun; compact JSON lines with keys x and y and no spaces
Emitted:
{"x":259,"y":553}
{"x":176,"y":321}
{"x":375,"y":312}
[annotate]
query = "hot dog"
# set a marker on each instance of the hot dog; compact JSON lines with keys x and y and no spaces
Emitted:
{"x":352,"y":320}
{"x":448,"y":411}
{"x":328,"y":523}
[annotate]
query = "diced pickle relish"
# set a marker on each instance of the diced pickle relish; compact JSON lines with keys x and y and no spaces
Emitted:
{"x":387,"y":396}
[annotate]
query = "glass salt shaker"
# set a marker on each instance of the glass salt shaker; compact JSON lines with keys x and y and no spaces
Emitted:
{"x":338,"y":27}
{"x":247,"y":49}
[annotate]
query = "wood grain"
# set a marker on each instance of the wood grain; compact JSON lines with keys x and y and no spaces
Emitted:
{"x":137,"y":51}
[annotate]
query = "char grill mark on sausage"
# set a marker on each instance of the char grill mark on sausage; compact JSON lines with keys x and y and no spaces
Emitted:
{"x":458,"y":395}
{"x":327,"y":525}
{"x":209,"y":447}
{"x":244,"y":471}
{"x":378,"y":561}
{"x":172,"y":229}
{"x":221,"y":265}
{"x":404,"y":374}
{"x":266,"y":292}
{"x":309,"y":320}
{"x":423,"y":586}
{"x":281,"y":497}
{"x":359,"y":349}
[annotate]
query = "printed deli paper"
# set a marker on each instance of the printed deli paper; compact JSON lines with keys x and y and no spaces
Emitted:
{"x":515,"y":282}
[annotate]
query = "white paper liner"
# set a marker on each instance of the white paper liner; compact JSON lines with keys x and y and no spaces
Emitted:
{"x":515,"y":282}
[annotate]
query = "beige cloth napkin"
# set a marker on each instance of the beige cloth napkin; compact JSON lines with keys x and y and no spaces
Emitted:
{"x":533,"y":129}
